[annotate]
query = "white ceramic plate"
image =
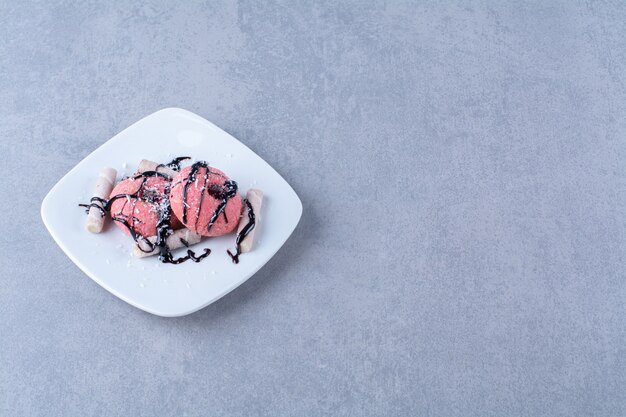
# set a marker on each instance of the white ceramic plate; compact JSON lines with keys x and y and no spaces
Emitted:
{"x":165,"y":289}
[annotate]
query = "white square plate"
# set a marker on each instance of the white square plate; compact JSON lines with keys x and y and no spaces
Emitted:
{"x":165,"y":289}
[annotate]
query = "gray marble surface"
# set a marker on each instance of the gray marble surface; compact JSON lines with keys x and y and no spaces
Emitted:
{"x":463,"y":172}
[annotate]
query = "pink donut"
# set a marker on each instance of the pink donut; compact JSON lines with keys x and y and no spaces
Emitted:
{"x":206,"y":194}
{"x":141,"y":214}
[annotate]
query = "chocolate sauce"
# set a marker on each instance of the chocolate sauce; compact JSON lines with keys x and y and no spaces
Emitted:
{"x":174,"y":164}
{"x":190,"y":255}
{"x":162,"y":202}
{"x":94,"y":203}
{"x":243,"y":233}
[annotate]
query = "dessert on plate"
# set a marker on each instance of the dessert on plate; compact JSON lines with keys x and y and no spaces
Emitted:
{"x":164,"y":207}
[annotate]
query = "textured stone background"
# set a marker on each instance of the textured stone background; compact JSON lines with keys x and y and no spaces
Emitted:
{"x":463,"y":172}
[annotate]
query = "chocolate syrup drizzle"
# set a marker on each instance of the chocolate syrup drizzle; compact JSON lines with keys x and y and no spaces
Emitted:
{"x":164,"y":229}
{"x":174,"y":164}
{"x":243,"y":233}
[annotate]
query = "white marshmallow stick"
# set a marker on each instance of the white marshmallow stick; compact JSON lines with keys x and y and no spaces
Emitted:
{"x":255,"y":198}
{"x":173,"y":241}
{"x":146,"y":165}
{"x":104,"y":186}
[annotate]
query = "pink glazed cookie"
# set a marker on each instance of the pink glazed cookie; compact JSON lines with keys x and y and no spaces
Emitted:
{"x":206,"y":200}
{"x":136,"y":204}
